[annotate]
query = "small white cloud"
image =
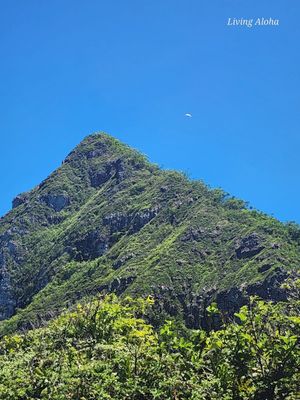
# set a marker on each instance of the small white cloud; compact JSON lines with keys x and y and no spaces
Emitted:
{"x":188,"y":115}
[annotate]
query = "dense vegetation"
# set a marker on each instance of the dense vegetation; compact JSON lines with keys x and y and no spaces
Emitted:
{"x":107,"y":349}
{"x":107,"y":220}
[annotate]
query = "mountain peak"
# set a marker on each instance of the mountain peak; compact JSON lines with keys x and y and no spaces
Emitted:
{"x":102,"y":144}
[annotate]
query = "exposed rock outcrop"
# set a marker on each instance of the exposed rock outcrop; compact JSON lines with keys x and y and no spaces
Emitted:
{"x":199,"y":233}
{"x":7,"y":301}
{"x":99,"y":178}
{"x":11,"y":253}
{"x":56,"y":201}
{"x":113,"y":169}
{"x":142,"y":218}
{"x":20,"y":199}
{"x":264,"y":268}
{"x":119,"y":285}
{"x":249,"y":246}
{"x":193,"y":305}
{"x":133,"y":221}
{"x":91,"y":246}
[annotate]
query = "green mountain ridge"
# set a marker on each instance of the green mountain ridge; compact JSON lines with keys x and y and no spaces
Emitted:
{"x":107,"y":220}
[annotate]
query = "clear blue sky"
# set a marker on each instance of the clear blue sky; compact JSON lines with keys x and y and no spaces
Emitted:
{"x":133,"y":68}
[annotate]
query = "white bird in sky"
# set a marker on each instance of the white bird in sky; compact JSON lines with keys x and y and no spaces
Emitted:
{"x":188,"y":115}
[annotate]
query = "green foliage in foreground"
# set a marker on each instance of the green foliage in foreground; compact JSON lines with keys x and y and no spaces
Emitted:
{"x":107,"y":350}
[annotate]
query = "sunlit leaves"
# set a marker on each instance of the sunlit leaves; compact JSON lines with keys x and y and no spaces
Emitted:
{"x":107,"y":349}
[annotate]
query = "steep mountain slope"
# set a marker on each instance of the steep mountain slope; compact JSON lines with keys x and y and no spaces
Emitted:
{"x":108,"y":220}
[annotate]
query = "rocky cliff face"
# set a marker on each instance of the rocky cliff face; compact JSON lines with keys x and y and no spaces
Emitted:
{"x":108,"y":220}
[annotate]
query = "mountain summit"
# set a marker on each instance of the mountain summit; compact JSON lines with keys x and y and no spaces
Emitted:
{"x":107,"y":220}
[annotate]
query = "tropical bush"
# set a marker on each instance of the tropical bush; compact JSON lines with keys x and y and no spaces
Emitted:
{"x":107,"y":349}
